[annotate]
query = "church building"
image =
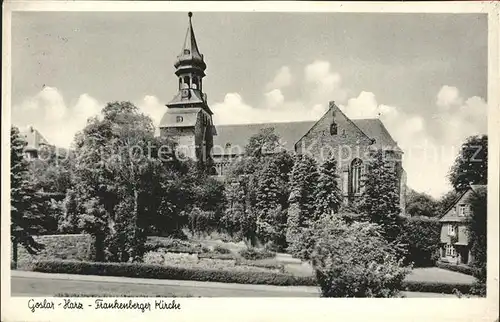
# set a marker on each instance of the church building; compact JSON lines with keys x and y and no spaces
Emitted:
{"x":188,"y":121}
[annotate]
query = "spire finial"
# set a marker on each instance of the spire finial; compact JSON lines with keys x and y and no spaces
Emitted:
{"x":190,"y":14}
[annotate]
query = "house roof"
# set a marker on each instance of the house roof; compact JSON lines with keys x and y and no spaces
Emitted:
{"x":33,"y":138}
{"x":375,"y":129}
{"x":452,"y":217}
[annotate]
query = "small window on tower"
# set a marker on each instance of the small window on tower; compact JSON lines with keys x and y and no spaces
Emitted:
{"x":179,"y":119}
{"x":186,"y":51}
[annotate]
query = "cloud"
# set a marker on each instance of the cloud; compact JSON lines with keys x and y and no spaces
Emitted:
{"x":448,"y":96}
{"x":48,"y":113}
{"x":274,"y":98}
{"x":282,"y":79}
{"x":323,"y":84}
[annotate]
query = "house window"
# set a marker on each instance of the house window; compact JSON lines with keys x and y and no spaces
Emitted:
{"x":452,"y":230}
{"x":462,"y":210}
{"x":179,"y":119}
{"x":355,"y":184}
{"x":333,"y":128}
{"x":450,"y":250}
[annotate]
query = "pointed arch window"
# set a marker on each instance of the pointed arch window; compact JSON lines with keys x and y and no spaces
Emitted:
{"x":355,"y":176}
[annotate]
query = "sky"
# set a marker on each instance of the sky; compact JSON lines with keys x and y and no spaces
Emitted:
{"x":423,"y":75}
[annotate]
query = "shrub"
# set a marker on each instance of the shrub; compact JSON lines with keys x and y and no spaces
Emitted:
{"x":456,"y":268}
{"x":255,"y":253}
{"x":221,"y":250}
{"x":174,"y":245}
{"x":437,"y":287}
{"x":354,"y":260}
{"x":139,"y":270}
{"x":261,"y":263}
{"x":421,"y":236}
{"x":214,"y":255}
{"x":71,"y":247}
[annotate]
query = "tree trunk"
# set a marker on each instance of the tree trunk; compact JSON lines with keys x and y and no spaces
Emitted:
{"x":14,"y":253}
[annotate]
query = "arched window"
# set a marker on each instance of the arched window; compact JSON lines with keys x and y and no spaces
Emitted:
{"x":186,"y":81}
{"x":194,"y":83}
{"x":180,"y":82}
{"x":355,"y":173}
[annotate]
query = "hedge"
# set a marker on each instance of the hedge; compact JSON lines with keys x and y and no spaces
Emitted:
{"x":139,"y":270}
{"x":437,"y":287}
{"x":456,"y":268}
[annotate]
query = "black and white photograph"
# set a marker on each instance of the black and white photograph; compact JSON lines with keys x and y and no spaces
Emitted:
{"x":259,"y":154}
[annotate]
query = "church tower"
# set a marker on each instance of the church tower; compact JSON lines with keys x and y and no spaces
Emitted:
{"x":188,"y":119}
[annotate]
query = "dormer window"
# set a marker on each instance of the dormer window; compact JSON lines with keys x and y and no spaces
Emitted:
{"x":333,"y":128}
{"x":179,"y":119}
{"x":228,"y":145}
{"x":186,"y":52}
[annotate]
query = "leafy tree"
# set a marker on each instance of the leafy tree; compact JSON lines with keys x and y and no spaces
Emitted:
{"x":421,"y":235}
{"x":68,"y":223}
{"x":303,"y":179}
{"x":114,"y":170}
{"x":266,"y":141}
{"x":380,"y":202}
{"x":477,"y":231}
{"x":355,"y":260}
{"x":328,"y":196}
{"x":52,"y":171}
{"x":446,"y":201}
{"x":471,"y":165}
{"x":421,"y":204}
{"x":26,"y":216}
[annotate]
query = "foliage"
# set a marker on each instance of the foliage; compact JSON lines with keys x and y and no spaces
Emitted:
{"x":380,"y":202}
{"x":437,"y":287}
{"x":67,"y":247}
{"x":421,"y":235}
{"x":421,"y":204}
{"x":471,"y":165}
{"x":174,"y":245}
{"x":68,"y":223}
{"x":221,"y":250}
{"x":52,"y":171}
{"x":456,"y":268}
{"x":26,"y":215}
{"x":140,"y":270}
{"x":201,"y":221}
{"x":354,"y":260}
{"x":328,"y":197}
{"x":302,"y":205}
{"x":266,"y":141}
{"x":446,"y":201}
{"x":256,"y":253}
{"x":477,"y":230}
{"x":115,"y":169}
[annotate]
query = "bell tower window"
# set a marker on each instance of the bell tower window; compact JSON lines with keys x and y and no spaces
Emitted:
{"x":186,"y":81}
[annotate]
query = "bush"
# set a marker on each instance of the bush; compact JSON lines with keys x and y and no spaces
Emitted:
{"x":139,"y":270}
{"x":456,"y":268}
{"x":214,"y":255}
{"x":255,"y":253}
{"x":421,"y":236}
{"x":354,"y":260}
{"x":221,"y":250}
{"x":174,"y":245}
{"x":262,"y":264}
{"x":70,"y":247}
{"x":437,"y":287}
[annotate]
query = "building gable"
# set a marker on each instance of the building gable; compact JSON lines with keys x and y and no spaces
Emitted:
{"x":452,"y":214}
{"x":322,"y":141}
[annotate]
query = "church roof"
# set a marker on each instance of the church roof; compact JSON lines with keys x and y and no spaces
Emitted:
{"x":188,"y":117}
{"x":239,"y":134}
{"x":291,"y":132}
{"x":190,"y":53}
{"x":194,"y":97}
{"x":33,"y":137}
{"x":375,"y":129}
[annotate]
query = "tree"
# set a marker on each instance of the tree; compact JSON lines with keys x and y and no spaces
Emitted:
{"x":446,"y":201}
{"x":421,"y":235}
{"x":380,"y":202}
{"x":477,"y":231}
{"x":303,"y":180}
{"x":421,"y":204}
{"x":328,"y":196}
{"x":471,"y":165}
{"x":266,"y":141}
{"x":114,"y":170}
{"x":26,"y":217}
{"x":355,"y":260}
